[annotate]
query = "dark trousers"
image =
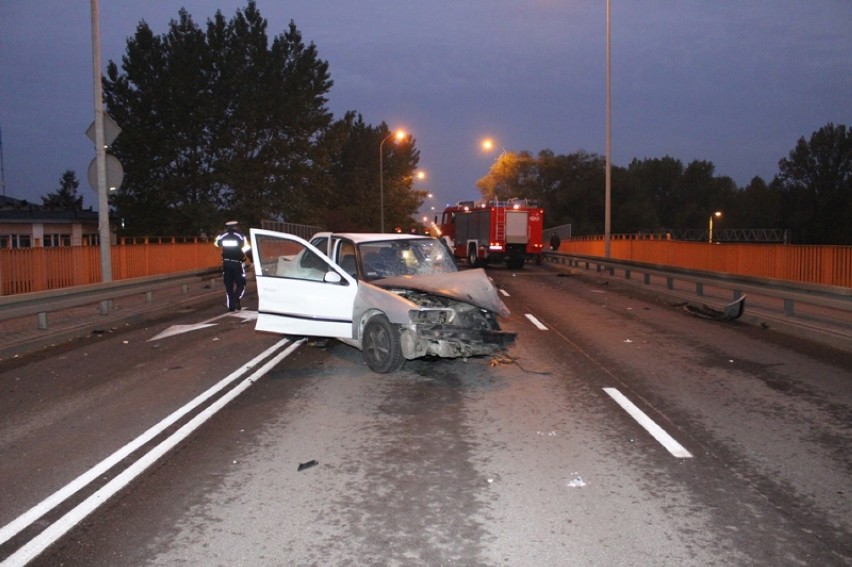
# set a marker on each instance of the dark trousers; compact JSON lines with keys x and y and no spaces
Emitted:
{"x":234,"y":277}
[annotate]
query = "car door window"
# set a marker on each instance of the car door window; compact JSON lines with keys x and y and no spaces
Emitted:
{"x":346,"y":253}
{"x":288,"y":259}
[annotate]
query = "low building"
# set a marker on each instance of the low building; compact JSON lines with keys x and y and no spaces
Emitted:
{"x":26,"y":225}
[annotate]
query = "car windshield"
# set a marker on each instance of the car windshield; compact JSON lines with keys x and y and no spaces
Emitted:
{"x":414,"y":256}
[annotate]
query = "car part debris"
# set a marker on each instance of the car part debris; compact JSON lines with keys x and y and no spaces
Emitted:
{"x":731,"y":311}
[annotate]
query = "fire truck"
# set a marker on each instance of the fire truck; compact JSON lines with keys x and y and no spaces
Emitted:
{"x":494,"y":231}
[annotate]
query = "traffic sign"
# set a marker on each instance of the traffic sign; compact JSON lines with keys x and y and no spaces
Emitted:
{"x":111,"y":131}
{"x":114,"y":173}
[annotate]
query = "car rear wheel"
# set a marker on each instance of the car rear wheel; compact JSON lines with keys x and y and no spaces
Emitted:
{"x":380,"y":346}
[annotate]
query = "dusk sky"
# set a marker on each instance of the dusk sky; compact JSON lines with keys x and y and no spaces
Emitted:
{"x":733,"y":82}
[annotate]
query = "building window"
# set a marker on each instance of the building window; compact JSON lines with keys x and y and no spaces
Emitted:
{"x":15,"y":241}
{"x":55,"y":240}
{"x":93,"y":239}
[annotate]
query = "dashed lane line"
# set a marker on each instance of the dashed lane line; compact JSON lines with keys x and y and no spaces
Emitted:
{"x":536,"y":322}
{"x":649,"y":425}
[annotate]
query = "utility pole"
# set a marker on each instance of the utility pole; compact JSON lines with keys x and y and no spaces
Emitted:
{"x":100,"y":150}
{"x":2,"y":169}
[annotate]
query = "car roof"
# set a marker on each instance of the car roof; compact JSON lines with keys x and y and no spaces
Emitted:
{"x":361,"y":237}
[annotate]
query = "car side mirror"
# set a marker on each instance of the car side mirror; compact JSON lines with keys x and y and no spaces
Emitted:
{"x":332,"y":277}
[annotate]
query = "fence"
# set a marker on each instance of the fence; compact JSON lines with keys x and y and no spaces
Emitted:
{"x":825,"y":265}
{"x":25,"y":270}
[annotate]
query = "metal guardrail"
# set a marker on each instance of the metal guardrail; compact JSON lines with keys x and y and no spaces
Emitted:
{"x":813,"y":308}
{"x":98,"y":309}
{"x":42,"y":303}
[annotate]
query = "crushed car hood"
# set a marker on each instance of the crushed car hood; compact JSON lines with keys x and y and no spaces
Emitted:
{"x":469,"y":286}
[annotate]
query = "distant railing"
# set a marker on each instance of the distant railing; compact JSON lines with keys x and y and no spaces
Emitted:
{"x":824,"y":265}
{"x":25,"y":270}
{"x":304,"y":231}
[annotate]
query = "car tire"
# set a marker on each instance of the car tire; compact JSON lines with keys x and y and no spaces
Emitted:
{"x":381,"y":346}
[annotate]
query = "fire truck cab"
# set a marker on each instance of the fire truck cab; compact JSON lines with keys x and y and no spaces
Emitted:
{"x":494,"y":231}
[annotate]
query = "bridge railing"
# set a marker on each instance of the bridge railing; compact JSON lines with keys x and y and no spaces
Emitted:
{"x":27,"y":270}
{"x":803,"y":308}
{"x":823,"y":265}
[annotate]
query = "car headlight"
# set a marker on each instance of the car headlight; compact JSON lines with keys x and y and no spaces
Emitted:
{"x":431,"y":316}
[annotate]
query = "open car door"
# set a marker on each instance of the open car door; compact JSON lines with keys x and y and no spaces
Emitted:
{"x":300,"y":290}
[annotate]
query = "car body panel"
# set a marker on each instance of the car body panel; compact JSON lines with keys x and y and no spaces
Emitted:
{"x":304,"y":290}
{"x":296,"y":300}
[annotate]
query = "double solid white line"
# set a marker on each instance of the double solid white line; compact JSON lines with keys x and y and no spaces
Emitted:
{"x":59,"y":528}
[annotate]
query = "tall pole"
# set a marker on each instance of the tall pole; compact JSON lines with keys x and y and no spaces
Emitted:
{"x":382,"y":184}
{"x":608,"y":173}
{"x":100,"y":149}
{"x":399,"y":135}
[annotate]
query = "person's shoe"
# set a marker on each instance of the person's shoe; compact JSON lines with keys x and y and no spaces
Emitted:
{"x":239,"y":307}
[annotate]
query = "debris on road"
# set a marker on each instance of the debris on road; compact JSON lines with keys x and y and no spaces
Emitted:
{"x":576,"y":482}
{"x":731,"y":311}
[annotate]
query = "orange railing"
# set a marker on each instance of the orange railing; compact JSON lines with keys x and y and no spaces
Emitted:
{"x":25,"y":270}
{"x":825,"y":265}
{"x":37,"y":269}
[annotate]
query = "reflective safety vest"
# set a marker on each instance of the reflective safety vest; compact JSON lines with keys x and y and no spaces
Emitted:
{"x":234,"y":246}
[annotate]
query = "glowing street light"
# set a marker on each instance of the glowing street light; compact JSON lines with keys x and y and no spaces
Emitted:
{"x":717,"y":214}
{"x":400,"y":136}
{"x":487,"y":144}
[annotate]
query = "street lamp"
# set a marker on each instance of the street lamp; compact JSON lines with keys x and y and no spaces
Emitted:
{"x":608,"y":173}
{"x":717,"y":214}
{"x":399,"y":135}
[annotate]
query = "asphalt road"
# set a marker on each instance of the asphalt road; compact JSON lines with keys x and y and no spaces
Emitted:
{"x":526,"y":459}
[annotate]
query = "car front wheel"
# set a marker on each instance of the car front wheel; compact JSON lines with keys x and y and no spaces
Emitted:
{"x":380,"y":346}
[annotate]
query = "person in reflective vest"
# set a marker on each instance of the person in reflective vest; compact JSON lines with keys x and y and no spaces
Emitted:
{"x":234,"y":247}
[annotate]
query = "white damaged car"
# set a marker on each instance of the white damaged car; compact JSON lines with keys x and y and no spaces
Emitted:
{"x":396,"y":297}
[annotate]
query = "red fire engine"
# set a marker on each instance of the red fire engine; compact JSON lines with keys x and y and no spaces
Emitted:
{"x":494,"y":231}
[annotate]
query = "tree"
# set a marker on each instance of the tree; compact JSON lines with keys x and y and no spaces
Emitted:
{"x":218,"y":124}
{"x":353,"y":149}
{"x":757,"y":205}
{"x":566,"y":186}
{"x":65,"y":198}
{"x":816,"y":181}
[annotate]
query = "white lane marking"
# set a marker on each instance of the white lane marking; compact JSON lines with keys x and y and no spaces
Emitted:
{"x":650,"y":426}
{"x":24,"y":520}
{"x":504,"y":292}
{"x":180,"y":329}
{"x":536,"y":322}
{"x":64,"y":524}
{"x":245,"y":315}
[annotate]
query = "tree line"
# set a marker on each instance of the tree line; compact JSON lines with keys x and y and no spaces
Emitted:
{"x":811,"y":195}
{"x":223,"y":122}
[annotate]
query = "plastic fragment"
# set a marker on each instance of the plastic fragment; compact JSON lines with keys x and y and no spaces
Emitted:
{"x":577,"y":482}
{"x":309,"y":464}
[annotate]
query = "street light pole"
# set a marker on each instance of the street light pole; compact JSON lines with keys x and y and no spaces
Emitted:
{"x":608,"y":172}
{"x":399,"y":135}
{"x":104,"y":233}
{"x":717,"y":214}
